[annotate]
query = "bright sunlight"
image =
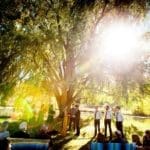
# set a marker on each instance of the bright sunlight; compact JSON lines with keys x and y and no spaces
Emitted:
{"x":120,"y":42}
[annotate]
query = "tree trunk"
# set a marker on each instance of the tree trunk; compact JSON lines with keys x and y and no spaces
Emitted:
{"x":65,"y":123}
{"x":65,"y":97}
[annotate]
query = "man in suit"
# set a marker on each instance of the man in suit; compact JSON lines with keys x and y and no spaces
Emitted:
{"x":72,"y":118}
{"x":77,"y":120}
{"x":97,"y":117}
{"x":107,"y":121}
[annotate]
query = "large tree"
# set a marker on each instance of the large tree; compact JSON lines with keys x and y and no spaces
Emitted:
{"x":52,"y":39}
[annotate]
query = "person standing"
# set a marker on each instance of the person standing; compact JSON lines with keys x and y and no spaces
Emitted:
{"x":107,"y":121}
{"x":77,"y":120}
{"x":97,"y":117}
{"x":4,"y":133}
{"x":146,"y":140}
{"x":119,"y":120}
{"x":72,"y":118}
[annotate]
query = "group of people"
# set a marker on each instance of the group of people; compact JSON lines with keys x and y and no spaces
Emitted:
{"x":5,"y":143}
{"x":119,"y":136}
{"x":74,"y":123}
{"x":74,"y":119}
{"x":4,"y":134}
{"x":107,"y":120}
{"x":144,"y":145}
{"x":108,"y":115}
{"x":145,"y":141}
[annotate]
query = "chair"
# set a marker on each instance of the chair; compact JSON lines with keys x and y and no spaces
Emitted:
{"x":130,"y":146}
{"x":96,"y":146}
{"x":112,"y":146}
{"x":29,"y":146}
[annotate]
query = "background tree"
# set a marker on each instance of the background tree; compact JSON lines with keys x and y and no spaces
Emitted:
{"x":51,"y":44}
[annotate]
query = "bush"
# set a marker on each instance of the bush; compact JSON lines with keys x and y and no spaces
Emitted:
{"x":13,"y":127}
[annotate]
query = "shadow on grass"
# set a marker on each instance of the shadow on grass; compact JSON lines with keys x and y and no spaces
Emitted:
{"x":60,"y":142}
{"x":87,"y":145}
{"x":85,"y":122}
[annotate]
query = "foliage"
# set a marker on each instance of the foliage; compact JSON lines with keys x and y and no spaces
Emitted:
{"x":51,"y":113}
{"x":13,"y":127}
{"x":132,"y":129}
{"x":28,"y":101}
{"x":43,"y":49}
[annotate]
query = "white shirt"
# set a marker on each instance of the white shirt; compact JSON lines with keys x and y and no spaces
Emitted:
{"x":108,"y":114}
{"x":119,"y":116}
{"x":97,"y":115}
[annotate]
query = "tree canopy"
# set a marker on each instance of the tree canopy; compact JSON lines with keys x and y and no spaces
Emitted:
{"x":50,"y":44}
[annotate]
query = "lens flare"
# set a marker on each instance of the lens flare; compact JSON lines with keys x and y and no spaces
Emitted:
{"x":119,"y":42}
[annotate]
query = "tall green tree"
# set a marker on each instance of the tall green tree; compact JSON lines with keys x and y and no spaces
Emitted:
{"x":51,"y":38}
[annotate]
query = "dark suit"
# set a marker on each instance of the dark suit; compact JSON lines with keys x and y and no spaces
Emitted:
{"x":77,"y":122}
{"x":72,"y":118}
{"x":119,"y":122}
